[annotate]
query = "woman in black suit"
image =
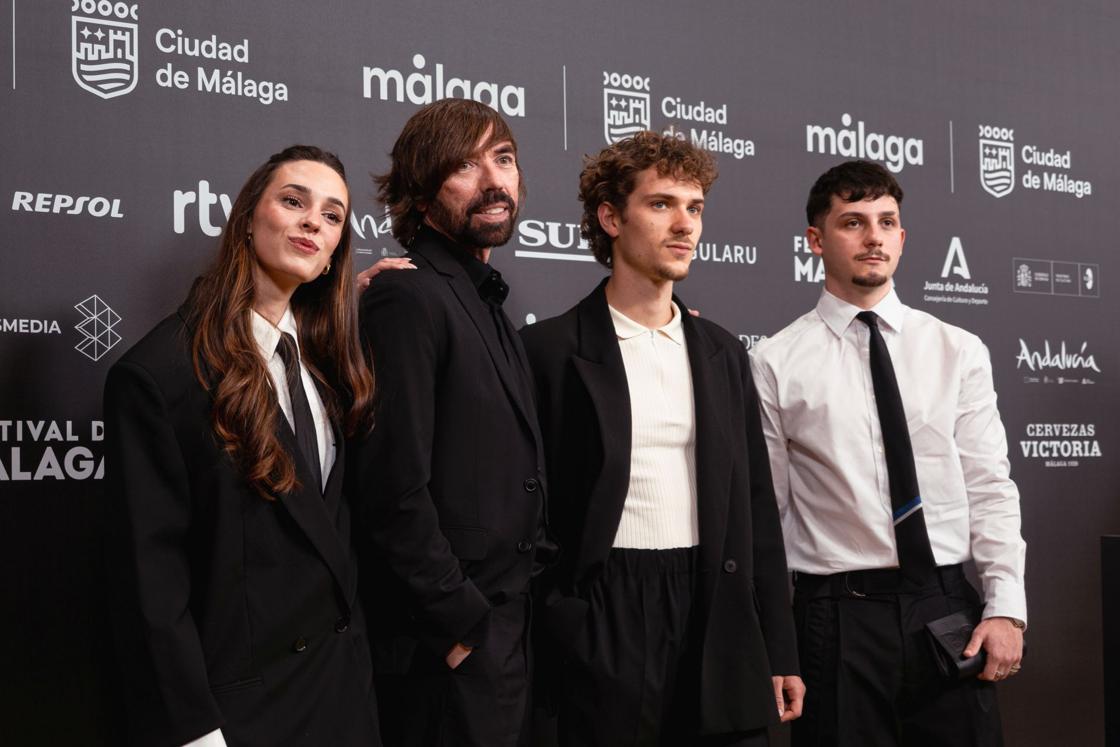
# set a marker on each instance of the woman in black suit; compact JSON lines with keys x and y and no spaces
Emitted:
{"x":238,"y":618}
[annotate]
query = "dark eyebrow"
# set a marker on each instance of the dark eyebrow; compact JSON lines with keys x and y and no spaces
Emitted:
{"x":504,"y":148}
{"x":666,"y":197}
{"x":858,"y":214}
{"x":305,"y":191}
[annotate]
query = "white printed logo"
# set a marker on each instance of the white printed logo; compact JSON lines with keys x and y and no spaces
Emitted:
{"x":955,"y":262}
{"x":625,"y":106}
{"x":854,"y":140}
{"x":96,"y":328}
{"x":997,"y":160}
{"x":104,"y":51}
{"x":420,"y":87}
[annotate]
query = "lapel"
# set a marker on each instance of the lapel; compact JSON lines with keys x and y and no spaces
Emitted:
{"x":309,"y":508}
{"x":434,"y":248}
{"x":714,"y":461}
{"x":598,"y":362}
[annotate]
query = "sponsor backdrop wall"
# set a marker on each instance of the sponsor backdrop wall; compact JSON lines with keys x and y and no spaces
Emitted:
{"x":127,"y":128}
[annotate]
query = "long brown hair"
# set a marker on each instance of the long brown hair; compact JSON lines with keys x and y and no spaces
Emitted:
{"x":226,"y":359}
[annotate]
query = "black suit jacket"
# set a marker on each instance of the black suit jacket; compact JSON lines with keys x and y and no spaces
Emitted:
{"x":451,"y":481}
{"x":233,"y":611}
{"x":584,"y":406}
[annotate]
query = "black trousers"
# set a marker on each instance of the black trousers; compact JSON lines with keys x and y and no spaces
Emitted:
{"x":484,"y":702}
{"x":871,"y":680}
{"x":632,"y":677}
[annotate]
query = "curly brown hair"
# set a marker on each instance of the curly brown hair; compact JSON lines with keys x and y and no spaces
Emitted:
{"x":434,"y":141}
{"x":610,"y":177}
{"x":226,"y":360}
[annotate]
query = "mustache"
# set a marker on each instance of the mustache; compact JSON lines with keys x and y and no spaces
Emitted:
{"x":490,"y":198}
{"x":873,"y":255}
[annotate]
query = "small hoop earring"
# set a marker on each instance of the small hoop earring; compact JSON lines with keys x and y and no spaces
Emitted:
{"x":327,"y":268}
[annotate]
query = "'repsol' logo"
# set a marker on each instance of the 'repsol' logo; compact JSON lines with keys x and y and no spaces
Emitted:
{"x":625,"y":106}
{"x":997,"y":160}
{"x":96,"y":328}
{"x":104,"y":46}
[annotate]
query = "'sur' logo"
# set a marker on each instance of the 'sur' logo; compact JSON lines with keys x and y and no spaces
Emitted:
{"x":96,"y":328}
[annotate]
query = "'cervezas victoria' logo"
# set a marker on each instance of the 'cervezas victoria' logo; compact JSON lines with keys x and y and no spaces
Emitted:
{"x":104,"y":47}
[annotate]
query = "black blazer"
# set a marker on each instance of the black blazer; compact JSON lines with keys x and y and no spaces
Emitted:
{"x":451,"y":481}
{"x":233,"y":611}
{"x":584,"y":406}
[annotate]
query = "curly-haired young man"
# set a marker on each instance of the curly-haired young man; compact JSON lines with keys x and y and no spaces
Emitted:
{"x":668,"y":614}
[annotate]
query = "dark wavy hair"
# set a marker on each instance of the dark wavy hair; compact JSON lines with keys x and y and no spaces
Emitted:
{"x":226,"y":359}
{"x":611,"y":175}
{"x":433,"y":143}
{"x":851,"y":181}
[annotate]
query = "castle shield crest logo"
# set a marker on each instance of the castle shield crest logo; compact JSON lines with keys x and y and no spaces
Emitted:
{"x":104,"y":54}
{"x":997,"y":166}
{"x":625,"y":106}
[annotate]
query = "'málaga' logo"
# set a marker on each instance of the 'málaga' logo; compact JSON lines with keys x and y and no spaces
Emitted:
{"x":895,"y":151}
{"x":422,"y":87}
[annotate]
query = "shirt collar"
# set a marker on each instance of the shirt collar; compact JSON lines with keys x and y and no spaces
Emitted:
{"x":626,"y":328}
{"x":486,"y":280}
{"x":267,"y":336}
{"x":838,"y":315}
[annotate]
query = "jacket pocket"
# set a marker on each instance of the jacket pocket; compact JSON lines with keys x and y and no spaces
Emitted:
{"x":467,"y":543}
{"x":236,"y":685}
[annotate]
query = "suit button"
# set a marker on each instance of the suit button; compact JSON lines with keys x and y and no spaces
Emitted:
{"x":342,"y":624}
{"x":730,"y":566}
{"x":299,"y":645}
{"x":531,"y":485}
{"x":524,"y":546}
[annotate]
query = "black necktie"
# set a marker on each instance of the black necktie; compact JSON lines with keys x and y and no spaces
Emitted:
{"x":301,"y":410}
{"x":914,"y":554}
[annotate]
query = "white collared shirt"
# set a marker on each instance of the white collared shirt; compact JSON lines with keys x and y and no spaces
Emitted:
{"x":826,"y":447}
{"x":268,"y":338}
{"x":660,"y":509}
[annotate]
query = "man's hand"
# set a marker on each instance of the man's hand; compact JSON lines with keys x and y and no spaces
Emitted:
{"x":457,"y":655}
{"x":385,"y":263}
{"x":789,"y":692}
{"x":1004,"y":644}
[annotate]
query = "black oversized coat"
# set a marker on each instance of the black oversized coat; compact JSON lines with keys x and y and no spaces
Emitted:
{"x":584,"y":408}
{"x":232,"y":611}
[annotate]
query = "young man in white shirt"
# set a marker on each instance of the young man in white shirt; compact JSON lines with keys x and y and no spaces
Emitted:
{"x":881,"y":503}
{"x":667,"y":618}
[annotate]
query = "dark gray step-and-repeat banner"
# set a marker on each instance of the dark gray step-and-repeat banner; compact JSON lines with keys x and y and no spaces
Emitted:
{"x":128,"y":127}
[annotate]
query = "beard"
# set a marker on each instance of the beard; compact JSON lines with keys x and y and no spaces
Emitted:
{"x":459,"y":228}
{"x":873,"y":280}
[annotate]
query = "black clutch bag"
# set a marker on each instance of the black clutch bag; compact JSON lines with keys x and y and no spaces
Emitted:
{"x":947,"y":638}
